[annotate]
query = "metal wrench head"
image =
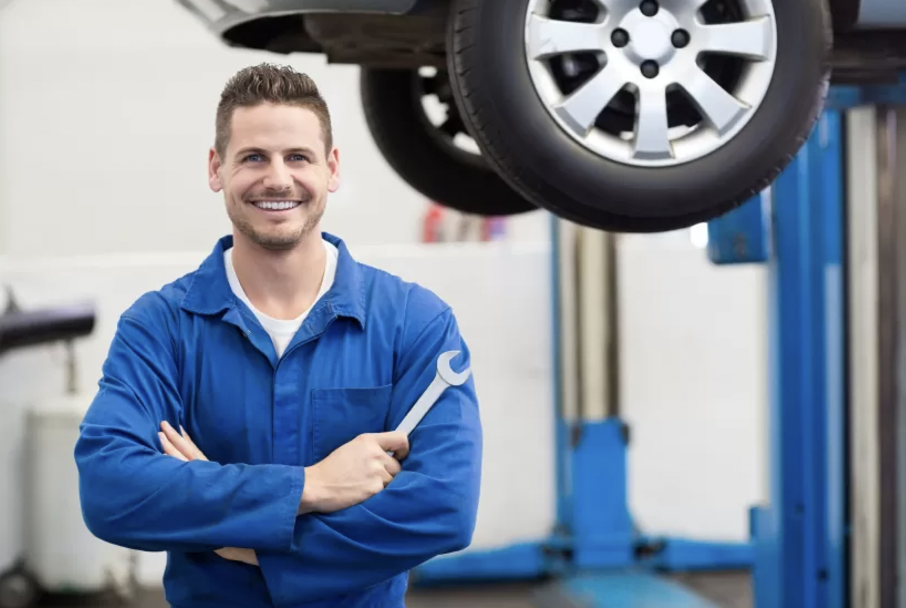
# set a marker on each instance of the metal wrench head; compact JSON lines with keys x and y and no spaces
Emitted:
{"x":446,"y":373}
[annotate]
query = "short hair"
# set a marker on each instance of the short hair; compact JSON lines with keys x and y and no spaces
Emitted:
{"x":269,"y":83}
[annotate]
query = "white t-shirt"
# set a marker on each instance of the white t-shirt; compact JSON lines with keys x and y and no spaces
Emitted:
{"x":282,"y":331}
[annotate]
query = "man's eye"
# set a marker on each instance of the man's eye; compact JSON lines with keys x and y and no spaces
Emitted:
{"x":253,"y":157}
{"x":297,"y":158}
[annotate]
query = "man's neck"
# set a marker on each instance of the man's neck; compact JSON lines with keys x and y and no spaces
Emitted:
{"x":281,"y":284}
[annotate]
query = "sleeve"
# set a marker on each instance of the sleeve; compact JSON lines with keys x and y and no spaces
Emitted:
{"x":430,"y":507}
{"x":135,"y":496}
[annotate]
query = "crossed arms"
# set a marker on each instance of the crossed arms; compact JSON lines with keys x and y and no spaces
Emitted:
{"x":347,"y":477}
{"x":135,"y":496}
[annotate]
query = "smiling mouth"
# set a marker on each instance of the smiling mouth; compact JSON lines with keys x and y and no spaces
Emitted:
{"x":276,"y":205}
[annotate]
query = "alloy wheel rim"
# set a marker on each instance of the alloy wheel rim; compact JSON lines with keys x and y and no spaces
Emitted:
{"x":434,"y":93}
{"x":651,"y":83}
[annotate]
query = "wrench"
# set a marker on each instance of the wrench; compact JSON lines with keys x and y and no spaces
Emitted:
{"x":445,"y":377}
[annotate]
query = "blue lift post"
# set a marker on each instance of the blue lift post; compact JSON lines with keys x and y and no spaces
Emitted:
{"x":797,"y":229}
{"x":593,"y":550}
{"x":802,"y":536}
{"x":594,"y":556}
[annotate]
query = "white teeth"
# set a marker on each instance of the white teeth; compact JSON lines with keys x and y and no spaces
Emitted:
{"x":276,"y":205}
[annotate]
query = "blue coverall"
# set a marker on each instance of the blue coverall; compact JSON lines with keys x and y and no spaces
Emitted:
{"x":192,"y":354}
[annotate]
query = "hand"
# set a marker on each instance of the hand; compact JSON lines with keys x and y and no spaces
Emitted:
{"x":247,"y":556}
{"x":180,"y":446}
{"x":353,"y":472}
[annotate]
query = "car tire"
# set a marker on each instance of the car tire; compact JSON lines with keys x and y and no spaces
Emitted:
{"x":425,"y":156}
{"x":494,"y":88}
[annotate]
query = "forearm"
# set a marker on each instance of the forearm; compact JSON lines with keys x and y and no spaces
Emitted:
{"x":136,"y":497}
{"x":413,"y":520}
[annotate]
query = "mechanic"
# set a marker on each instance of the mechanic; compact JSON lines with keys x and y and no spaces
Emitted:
{"x":246,"y":410}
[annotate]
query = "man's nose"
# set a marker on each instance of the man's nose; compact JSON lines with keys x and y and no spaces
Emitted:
{"x":278,"y":177}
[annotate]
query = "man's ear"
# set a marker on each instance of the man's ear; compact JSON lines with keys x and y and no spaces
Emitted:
{"x":333,"y":164}
{"x":214,"y":171}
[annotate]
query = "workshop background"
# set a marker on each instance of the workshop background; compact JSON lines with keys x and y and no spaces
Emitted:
{"x":106,"y":116}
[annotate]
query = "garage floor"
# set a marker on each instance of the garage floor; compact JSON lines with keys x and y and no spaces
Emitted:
{"x":727,"y":590}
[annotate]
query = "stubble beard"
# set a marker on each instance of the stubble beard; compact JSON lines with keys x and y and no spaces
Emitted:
{"x":283,"y":241}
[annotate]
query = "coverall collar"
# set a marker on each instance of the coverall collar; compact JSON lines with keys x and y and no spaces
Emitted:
{"x":210,"y":291}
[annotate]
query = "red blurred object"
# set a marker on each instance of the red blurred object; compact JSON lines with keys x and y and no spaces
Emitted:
{"x":432,"y":226}
{"x":441,"y":225}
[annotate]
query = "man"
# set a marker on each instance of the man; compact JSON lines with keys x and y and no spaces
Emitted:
{"x":244,"y":420}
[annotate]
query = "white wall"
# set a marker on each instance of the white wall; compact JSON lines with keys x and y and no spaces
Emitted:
{"x":693,"y":387}
{"x":104,"y":130}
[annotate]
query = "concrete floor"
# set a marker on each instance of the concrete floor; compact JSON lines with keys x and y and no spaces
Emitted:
{"x":727,"y":590}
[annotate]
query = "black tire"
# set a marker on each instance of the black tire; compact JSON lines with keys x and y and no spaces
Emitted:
{"x":495,"y":94}
{"x":427,"y":158}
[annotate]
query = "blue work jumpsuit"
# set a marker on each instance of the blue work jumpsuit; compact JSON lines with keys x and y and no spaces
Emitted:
{"x":192,"y":354}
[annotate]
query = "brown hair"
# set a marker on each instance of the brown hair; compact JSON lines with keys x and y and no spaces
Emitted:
{"x":269,"y":83}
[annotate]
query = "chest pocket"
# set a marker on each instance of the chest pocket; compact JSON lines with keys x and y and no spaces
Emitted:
{"x":342,"y":414}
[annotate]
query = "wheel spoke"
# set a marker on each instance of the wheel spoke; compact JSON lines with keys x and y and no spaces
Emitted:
{"x":717,"y":106}
{"x":548,"y":37}
{"x":652,"y":139}
{"x":750,"y":39}
{"x":582,"y":107}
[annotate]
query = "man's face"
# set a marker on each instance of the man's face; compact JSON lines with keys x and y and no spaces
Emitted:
{"x":275,"y":174}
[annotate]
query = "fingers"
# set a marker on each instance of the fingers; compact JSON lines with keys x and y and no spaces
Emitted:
{"x":199,"y":455}
{"x":391,"y":465}
{"x":402,"y":452}
{"x":176,"y":441}
{"x":247,"y":556}
{"x":185,"y":435}
{"x":386,"y":467}
{"x":395,"y":442}
{"x":385,"y":476}
{"x":170,"y":449}
{"x":182,"y":443}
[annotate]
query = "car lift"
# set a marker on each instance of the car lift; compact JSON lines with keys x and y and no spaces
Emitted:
{"x":594,"y":549}
{"x":832,"y":232}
